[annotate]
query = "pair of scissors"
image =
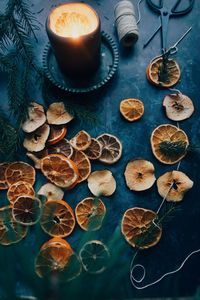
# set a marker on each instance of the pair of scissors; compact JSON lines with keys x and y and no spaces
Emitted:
{"x":165,"y":13}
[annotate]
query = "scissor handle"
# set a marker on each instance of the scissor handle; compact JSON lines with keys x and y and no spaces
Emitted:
{"x":184,"y":11}
{"x":155,"y":7}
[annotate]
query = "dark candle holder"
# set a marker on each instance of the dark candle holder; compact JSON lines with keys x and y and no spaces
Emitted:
{"x":107,"y":67}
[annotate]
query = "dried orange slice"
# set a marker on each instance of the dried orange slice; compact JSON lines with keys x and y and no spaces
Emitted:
{"x":26,"y":210}
{"x":140,"y":175}
{"x":139,"y":228}
{"x":95,"y":257}
{"x":94,"y":150}
{"x":83,"y":164}
{"x":11,"y":232}
{"x":60,"y":170}
{"x":57,"y":218}
{"x":57,"y":259}
{"x":112,"y":148}
{"x":18,"y":189}
{"x":167,"y":78}
{"x":90,"y":213}
{"x":3,"y":182}
{"x":57,"y":133}
{"x":20,"y":171}
{"x":169,"y":143}
{"x":81,"y":141}
{"x":62,"y":147}
{"x":132,"y":109}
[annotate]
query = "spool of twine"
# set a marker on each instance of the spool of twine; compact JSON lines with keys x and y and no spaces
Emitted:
{"x":126,"y":23}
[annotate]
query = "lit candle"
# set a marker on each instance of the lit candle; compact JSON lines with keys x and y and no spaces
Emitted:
{"x":75,"y":35}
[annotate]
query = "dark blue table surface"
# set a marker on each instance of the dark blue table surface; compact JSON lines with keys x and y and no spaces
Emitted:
{"x":181,"y":233}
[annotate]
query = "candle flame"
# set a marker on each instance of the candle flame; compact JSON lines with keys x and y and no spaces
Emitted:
{"x":73,"y":20}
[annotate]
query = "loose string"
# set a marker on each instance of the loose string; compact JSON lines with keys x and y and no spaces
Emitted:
{"x":134,"y":267}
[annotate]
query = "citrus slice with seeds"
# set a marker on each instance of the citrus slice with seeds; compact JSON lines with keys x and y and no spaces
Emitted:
{"x":90,"y":213}
{"x":56,"y":259}
{"x":162,"y":75}
{"x":169,"y":143}
{"x":94,"y":150}
{"x":20,"y":171}
{"x":51,"y":192}
{"x":139,"y":175}
{"x":140,"y":229}
{"x":63,"y":147}
{"x":112,"y":148}
{"x":26,"y":210}
{"x":3,"y":182}
{"x":81,"y":141}
{"x":11,"y":232}
{"x":57,"y":218}
{"x":95,"y":257}
{"x":57,"y":133}
{"x":83,"y":164}
{"x":173,"y":185}
{"x":18,"y":189}
{"x":132,"y":109}
{"x":178,"y":107}
{"x":60,"y":170}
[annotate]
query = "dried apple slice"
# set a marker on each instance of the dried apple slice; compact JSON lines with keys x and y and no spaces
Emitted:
{"x":35,"y":141}
{"x":36,"y":118}
{"x":139,"y":175}
{"x":102,"y":183}
{"x":173,"y":185}
{"x":57,"y":114}
{"x":178,"y":107}
{"x":51,"y":192}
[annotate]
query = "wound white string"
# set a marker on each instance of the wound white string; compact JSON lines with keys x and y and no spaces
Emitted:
{"x":126,"y":22}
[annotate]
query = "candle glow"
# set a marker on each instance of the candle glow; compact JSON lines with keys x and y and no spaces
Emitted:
{"x":73,"y":20}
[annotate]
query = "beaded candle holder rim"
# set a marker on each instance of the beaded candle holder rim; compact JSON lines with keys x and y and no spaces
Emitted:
{"x":111,"y":45}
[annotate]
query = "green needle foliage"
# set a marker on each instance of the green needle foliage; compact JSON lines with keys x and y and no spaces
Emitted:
{"x":173,"y":149}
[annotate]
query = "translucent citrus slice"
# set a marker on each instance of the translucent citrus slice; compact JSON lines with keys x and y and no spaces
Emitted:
{"x":169,"y":143}
{"x":57,"y":218}
{"x":139,"y":175}
{"x":139,"y":228}
{"x":83,"y":164}
{"x":167,"y":78}
{"x":18,"y":189}
{"x":132,"y":109}
{"x":3,"y":182}
{"x":57,"y":259}
{"x":94,"y":150}
{"x":26,"y":210}
{"x":95,"y":257}
{"x":112,"y":148}
{"x":57,"y":133}
{"x":60,"y":170}
{"x":90,"y":213}
{"x":20,"y":171}
{"x":11,"y":232}
{"x":62,"y":147}
{"x":81,"y":141}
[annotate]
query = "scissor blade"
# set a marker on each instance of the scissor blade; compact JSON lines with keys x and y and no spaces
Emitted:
{"x":151,"y":37}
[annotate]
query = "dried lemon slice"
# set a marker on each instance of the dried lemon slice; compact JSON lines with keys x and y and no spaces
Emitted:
{"x":94,"y":151}
{"x":95,"y":257}
{"x":162,"y":76}
{"x":139,"y":228}
{"x":132,"y":109}
{"x":112,"y":148}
